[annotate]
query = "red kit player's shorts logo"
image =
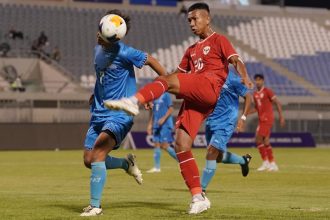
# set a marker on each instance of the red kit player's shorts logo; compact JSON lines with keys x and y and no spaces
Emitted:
{"x":206,"y":50}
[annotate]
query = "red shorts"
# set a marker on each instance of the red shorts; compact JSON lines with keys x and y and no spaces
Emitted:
{"x":264,"y":129}
{"x":200,"y":97}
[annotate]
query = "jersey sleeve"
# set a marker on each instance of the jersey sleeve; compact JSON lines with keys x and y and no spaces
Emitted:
{"x":271,"y":94}
{"x":184,"y":64}
{"x":136,"y":57}
{"x":227,"y":48}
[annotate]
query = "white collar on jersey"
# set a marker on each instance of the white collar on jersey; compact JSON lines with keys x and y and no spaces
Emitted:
{"x":201,"y":41}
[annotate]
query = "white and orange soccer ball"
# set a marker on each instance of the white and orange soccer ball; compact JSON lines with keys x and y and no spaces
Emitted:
{"x":112,"y":28}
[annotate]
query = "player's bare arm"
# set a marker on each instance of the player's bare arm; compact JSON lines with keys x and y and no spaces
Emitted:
{"x":239,"y":65}
{"x":169,"y":112}
{"x":242,"y":119}
{"x":149,"y":126}
{"x":280,"y":111}
{"x":155,"y":65}
{"x":252,"y":111}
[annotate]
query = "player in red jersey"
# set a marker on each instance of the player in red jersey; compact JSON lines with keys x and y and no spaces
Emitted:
{"x":263,"y":100}
{"x":207,"y":63}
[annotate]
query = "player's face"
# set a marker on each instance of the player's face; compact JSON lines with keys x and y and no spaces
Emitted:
{"x":102,"y":42}
{"x":259,"y":82}
{"x":199,"y":21}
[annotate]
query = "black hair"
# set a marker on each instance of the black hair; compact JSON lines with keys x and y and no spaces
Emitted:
{"x":126,"y":18}
{"x":199,"y":5}
{"x":259,"y":75}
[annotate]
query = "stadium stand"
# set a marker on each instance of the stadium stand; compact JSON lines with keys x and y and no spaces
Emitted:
{"x":63,"y":28}
{"x":298,"y":44}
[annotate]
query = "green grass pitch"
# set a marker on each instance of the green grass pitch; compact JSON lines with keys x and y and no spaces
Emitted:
{"x":55,"y":185}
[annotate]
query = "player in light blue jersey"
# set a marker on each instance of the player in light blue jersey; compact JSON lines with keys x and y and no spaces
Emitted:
{"x":220,"y":126}
{"x":161,"y":127}
{"x":114,"y":66}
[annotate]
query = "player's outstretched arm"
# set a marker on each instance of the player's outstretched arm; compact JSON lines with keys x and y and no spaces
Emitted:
{"x":280,"y":111}
{"x":247,"y":104}
{"x":156,"y":66}
{"x":239,"y":65}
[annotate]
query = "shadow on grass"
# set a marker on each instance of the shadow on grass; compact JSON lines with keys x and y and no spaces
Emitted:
{"x":123,"y":205}
{"x":187,"y":191}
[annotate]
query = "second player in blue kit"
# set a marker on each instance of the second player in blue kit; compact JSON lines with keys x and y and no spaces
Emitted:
{"x":220,"y":126}
{"x":161,"y":127}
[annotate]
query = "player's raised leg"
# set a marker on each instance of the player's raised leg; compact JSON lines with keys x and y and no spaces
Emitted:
{"x":146,"y":94}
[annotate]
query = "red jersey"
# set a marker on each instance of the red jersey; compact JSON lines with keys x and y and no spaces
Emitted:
{"x":210,"y":57}
{"x":263,"y":101}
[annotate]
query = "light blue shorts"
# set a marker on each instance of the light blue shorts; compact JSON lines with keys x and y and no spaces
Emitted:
{"x":219,"y":138}
{"x":162,"y":135}
{"x":118,"y":126}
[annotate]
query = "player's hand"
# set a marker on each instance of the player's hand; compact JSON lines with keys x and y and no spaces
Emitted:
{"x":240,"y":126}
{"x":161,"y":121}
{"x":247,"y":82}
{"x":101,"y":41}
{"x":91,"y":100}
{"x":148,"y":106}
{"x":282,"y":122}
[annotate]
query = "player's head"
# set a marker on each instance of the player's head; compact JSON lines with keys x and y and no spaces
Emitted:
{"x":199,"y":18}
{"x":127,"y":20}
{"x":259,"y":80}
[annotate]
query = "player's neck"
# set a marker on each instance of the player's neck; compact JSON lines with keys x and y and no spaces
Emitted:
{"x":206,"y":34}
{"x":261,"y":88}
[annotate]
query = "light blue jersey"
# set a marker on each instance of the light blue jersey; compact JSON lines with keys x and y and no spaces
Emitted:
{"x":161,"y":106}
{"x":220,"y":125}
{"x":115,"y":78}
{"x":163,"y":133}
{"x":115,"y":75}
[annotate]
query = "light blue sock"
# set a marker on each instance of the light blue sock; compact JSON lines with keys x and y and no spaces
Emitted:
{"x":232,"y":158}
{"x":157,"y":154}
{"x":208,"y":173}
{"x":98,"y":177}
{"x":171,"y":152}
{"x":115,"y":163}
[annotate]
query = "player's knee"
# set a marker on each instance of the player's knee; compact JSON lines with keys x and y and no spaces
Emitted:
{"x":164,"y":146}
{"x":179,"y":146}
{"x":87,"y":162}
{"x":212,"y":153}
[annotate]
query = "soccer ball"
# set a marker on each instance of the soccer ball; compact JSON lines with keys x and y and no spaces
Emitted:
{"x":112,"y":28}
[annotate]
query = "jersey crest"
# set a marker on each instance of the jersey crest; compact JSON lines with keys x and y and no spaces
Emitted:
{"x":206,"y":50}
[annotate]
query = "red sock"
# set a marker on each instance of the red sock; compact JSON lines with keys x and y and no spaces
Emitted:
{"x":152,"y":91}
{"x":189,"y":171}
{"x":263,"y":151}
{"x":270,"y":155}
